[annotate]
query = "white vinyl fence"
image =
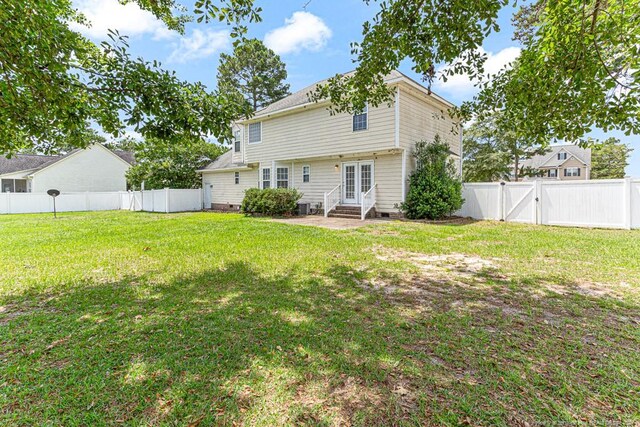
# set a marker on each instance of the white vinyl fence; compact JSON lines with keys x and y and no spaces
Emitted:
{"x":167,"y":200}
{"x":611,"y":203}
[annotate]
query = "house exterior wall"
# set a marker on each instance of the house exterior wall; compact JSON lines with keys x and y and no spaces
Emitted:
{"x":312,"y":136}
{"x":93,"y":169}
{"x":314,"y":132}
{"x":237,"y":157}
{"x":224,"y":190}
{"x":570,"y":163}
{"x":323,"y":178}
{"x":421,"y":118}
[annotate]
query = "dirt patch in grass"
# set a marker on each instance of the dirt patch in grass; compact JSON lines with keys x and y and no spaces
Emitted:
{"x":549,"y":334}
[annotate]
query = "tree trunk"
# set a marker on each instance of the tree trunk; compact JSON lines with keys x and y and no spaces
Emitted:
{"x":515,"y":171}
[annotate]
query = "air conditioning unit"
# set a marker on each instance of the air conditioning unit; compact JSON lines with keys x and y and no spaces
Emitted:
{"x":304,"y":208}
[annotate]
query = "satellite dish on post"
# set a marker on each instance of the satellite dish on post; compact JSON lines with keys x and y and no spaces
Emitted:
{"x":54,"y":193}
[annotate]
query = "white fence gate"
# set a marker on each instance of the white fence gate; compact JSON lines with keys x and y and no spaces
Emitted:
{"x":167,"y":200}
{"x":613,"y":203}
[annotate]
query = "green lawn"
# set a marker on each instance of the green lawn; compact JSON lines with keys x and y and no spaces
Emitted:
{"x":123,"y":318}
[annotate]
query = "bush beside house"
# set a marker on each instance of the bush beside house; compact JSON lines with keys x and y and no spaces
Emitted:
{"x":271,"y":201}
{"x":435,"y":191}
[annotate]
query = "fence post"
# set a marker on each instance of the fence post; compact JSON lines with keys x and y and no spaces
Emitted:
{"x":167,"y":204}
{"x":501,"y":202}
{"x":538,"y":200}
{"x":626,"y":203}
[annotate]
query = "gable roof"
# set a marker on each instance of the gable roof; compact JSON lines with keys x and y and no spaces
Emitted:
{"x":301,"y":97}
{"x":37,"y":162}
{"x":550,"y":159}
{"x":25,"y":162}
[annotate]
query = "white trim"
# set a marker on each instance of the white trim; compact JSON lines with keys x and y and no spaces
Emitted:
{"x":404,"y":175}
{"x":358,"y":178}
{"x":397,"y":116}
{"x":239,"y":168}
{"x":366,"y":114}
{"x":461,"y":130}
{"x":18,"y":172}
{"x":276,"y":180}
{"x":309,"y":173}
{"x":249,"y":133}
{"x":277,"y":113}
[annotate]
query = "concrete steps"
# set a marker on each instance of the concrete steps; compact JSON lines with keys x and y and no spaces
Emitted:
{"x":349,"y":212}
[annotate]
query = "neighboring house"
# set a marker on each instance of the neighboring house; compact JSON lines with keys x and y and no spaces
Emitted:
{"x":95,"y":168}
{"x":562,"y":162}
{"x":295,"y":143}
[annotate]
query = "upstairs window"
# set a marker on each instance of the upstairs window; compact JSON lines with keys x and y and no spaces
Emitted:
{"x":572,"y":172}
{"x":255,"y":133}
{"x":266,"y":178}
{"x":282,"y":177}
{"x":306,"y":173}
{"x":360,"y":119}
{"x":236,"y":144}
{"x":562,"y":156}
{"x":237,"y":177}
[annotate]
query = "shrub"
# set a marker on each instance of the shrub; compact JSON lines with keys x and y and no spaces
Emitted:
{"x":271,"y":201}
{"x":434,"y":189}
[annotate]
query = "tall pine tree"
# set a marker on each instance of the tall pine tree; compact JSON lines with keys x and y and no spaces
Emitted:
{"x":253,"y":74}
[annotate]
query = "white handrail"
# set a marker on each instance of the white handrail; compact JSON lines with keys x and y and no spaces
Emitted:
{"x":331,"y":200}
{"x":368,"y":201}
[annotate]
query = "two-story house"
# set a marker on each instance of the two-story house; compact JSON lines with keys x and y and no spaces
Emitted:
{"x":337,"y":161}
{"x":561,"y":162}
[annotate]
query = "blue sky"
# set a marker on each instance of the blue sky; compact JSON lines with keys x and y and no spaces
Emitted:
{"x":314,"y":43}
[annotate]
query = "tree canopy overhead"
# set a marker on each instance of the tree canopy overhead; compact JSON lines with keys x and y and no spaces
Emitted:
{"x":579,"y":68}
{"x":253,"y":74}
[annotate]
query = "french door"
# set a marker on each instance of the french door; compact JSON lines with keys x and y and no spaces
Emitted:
{"x":357,"y":178}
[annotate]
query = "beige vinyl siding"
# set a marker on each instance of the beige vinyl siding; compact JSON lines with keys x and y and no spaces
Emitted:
{"x":314,"y":132}
{"x":388,"y":173}
{"x":223,"y":187}
{"x":421,"y":119}
{"x":572,"y":162}
{"x":237,"y":158}
{"x":324,"y":177}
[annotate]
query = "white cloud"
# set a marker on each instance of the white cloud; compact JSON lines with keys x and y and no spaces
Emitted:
{"x":200,"y":44}
{"x":461,"y":83}
{"x":303,"y":31}
{"x":128,"y":19}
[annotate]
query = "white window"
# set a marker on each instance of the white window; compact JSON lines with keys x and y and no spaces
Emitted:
{"x":14,"y":186}
{"x":237,"y":177}
{"x":236,"y":142}
{"x":306,"y":173}
{"x":266,"y":178}
{"x":562,"y":156}
{"x":255,"y":133}
{"x":572,"y":172}
{"x":360,"y":120}
{"x":552,"y":173}
{"x":282,"y":177}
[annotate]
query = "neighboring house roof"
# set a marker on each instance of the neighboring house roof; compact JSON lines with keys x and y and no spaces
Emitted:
{"x":25,"y":162}
{"x":127,"y":156}
{"x":550,"y":159}
{"x":36,"y":162}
